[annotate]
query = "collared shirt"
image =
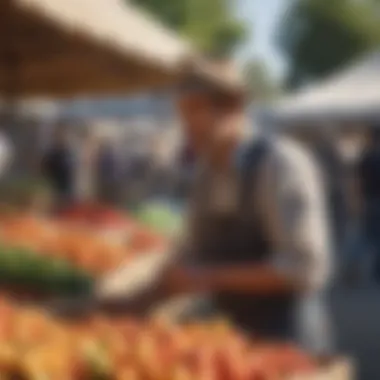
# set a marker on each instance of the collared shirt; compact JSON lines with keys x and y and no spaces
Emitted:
{"x":292,"y":205}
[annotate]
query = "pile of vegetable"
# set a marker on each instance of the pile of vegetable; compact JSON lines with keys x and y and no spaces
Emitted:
{"x":23,"y":269}
{"x":77,"y":247}
{"x":37,"y":346}
{"x":82,"y":247}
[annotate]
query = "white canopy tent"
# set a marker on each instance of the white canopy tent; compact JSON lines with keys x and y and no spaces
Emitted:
{"x":351,"y":95}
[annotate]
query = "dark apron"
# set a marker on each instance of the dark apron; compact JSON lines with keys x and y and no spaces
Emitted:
{"x":239,"y":239}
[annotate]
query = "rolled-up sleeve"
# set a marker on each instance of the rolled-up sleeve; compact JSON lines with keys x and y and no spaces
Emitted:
{"x":294,"y":207}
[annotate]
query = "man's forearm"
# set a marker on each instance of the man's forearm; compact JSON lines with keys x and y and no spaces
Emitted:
{"x":261,"y":280}
{"x":256,"y":279}
{"x":178,"y":280}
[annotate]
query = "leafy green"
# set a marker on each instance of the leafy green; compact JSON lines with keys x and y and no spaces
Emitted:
{"x":160,"y":217}
{"x":20,"y":266}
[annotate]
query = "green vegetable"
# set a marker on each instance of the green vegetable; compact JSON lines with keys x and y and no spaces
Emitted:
{"x":25,"y":267}
{"x":160,"y":218}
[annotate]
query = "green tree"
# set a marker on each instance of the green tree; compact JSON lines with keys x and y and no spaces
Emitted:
{"x":319,"y":36}
{"x":209,"y":24}
{"x":262,"y":85}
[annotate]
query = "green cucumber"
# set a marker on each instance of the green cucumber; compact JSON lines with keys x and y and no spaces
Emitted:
{"x":21,"y":266}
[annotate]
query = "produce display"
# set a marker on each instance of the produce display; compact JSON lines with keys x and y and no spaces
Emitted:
{"x":64,"y":256}
{"x":82,"y":247}
{"x":37,"y":346}
{"x":23,"y":269}
{"x":76,"y":246}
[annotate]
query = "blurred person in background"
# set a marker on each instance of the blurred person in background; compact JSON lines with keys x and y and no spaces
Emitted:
{"x":107,"y":171}
{"x":164,"y":175}
{"x":186,"y":159}
{"x":59,"y":163}
{"x":138,"y":171}
{"x":368,"y":198}
{"x":351,"y":265}
{"x":86,"y":151}
{"x":334,"y":170}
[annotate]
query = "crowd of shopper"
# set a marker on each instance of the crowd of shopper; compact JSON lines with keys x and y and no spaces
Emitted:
{"x":83,"y":164}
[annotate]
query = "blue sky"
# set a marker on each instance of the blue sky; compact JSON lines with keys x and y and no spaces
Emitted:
{"x":262,"y":17}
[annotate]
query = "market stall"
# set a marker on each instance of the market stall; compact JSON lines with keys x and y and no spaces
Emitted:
{"x":71,"y":48}
{"x":73,"y":249}
{"x":79,"y":47}
{"x":65,"y":49}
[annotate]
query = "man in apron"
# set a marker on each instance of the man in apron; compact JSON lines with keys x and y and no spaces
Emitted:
{"x":257,"y":241}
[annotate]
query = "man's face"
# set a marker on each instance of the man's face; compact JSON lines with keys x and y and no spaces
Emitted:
{"x":213,"y":124}
{"x":199,"y":118}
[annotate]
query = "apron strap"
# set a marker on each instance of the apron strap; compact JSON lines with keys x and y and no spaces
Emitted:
{"x":252,"y":157}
